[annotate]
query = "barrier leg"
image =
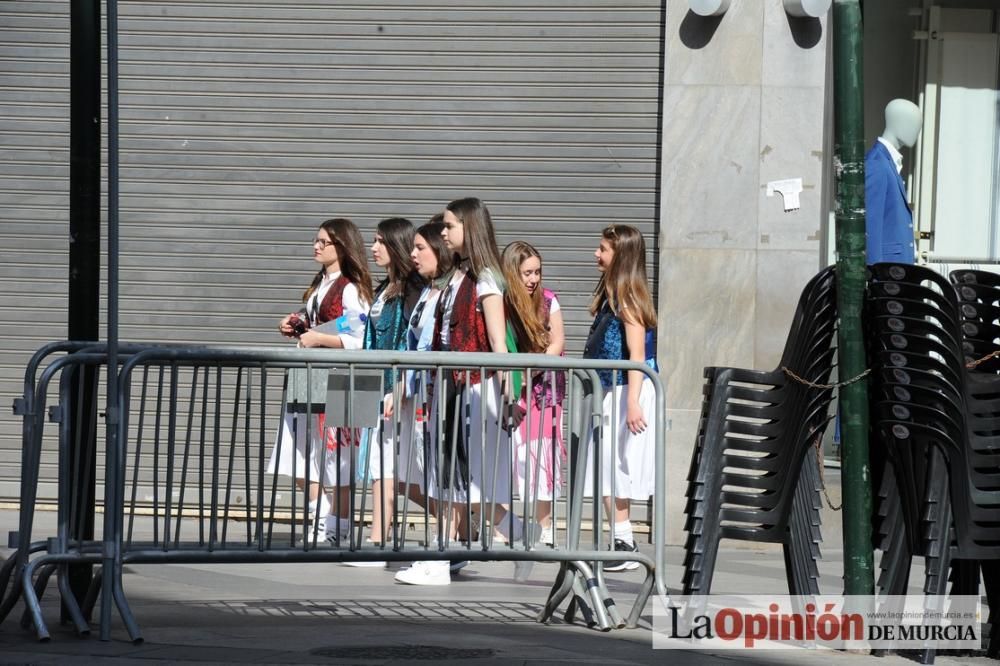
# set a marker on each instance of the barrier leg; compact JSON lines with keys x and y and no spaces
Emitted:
{"x":641,"y":599}
{"x":561,"y":588}
{"x":69,"y":602}
{"x":7,"y":573}
{"x":92,"y":593}
{"x":597,"y":593}
{"x":32,"y":609}
{"x":123,"y":609}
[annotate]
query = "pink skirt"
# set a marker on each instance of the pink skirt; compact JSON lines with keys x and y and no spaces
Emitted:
{"x":540,"y":436}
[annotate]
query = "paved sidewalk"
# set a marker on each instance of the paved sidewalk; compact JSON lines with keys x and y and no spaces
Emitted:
{"x":335,"y":614}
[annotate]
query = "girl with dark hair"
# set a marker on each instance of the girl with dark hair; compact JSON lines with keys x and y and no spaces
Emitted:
{"x":624,"y":328}
{"x":470,"y":318}
{"x":340,"y":292}
{"x":386,"y":330}
{"x":433,"y":261}
{"x":537,"y":324}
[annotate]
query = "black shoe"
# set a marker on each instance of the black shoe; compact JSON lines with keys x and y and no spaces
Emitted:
{"x":623,"y":565}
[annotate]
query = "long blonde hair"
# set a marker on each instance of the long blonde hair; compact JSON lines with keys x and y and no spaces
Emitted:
{"x":525,"y":311}
{"x":480,"y":241}
{"x":623,"y":283}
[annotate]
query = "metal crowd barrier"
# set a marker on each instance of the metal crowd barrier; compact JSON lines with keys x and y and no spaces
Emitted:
{"x":195,"y":426}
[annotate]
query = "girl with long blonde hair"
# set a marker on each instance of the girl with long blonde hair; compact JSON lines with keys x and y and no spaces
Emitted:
{"x":536,"y":320}
{"x":624,"y":328}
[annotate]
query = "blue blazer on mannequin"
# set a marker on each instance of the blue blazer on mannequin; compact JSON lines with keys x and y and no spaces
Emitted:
{"x":888,"y":220}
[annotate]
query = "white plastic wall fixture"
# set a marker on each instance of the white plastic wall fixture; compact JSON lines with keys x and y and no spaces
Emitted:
{"x":709,"y":7}
{"x":807,"y":8}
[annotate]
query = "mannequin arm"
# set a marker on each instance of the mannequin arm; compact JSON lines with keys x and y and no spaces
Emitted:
{"x":875,"y":193}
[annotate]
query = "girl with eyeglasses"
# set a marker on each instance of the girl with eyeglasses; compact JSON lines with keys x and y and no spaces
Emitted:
{"x":340,"y":293}
{"x":624,"y":328}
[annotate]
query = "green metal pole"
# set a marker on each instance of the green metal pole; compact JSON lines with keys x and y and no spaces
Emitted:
{"x":849,"y":158}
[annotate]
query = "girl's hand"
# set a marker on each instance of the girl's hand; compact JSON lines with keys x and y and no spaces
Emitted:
{"x":387,"y":406}
{"x":285,"y":326}
{"x":634,"y":418}
{"x":512,"y":415}
{"x":311,"y":339}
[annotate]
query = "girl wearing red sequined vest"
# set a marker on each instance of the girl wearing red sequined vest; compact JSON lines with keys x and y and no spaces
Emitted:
{"x":470,"y":318}
{"x":537,"y":324}
{"x":341,"y":291}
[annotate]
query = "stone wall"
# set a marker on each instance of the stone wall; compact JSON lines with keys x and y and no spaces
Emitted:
{"x":744,"y":104}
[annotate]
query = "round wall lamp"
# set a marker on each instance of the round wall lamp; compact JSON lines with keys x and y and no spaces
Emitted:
{"x":807,"y":8}
{"x":709,"y":7}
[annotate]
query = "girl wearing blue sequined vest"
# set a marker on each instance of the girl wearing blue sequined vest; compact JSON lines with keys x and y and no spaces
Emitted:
{"x":386,"y":329}
{"x":624,"y":328}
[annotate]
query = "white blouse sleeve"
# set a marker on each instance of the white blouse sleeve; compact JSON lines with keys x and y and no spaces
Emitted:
{"x":353,"y":303}
{"x":487,"y":285}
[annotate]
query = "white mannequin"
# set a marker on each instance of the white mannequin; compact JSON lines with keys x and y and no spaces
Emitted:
{"x":888,"y":219}
{"x":902,"y":123}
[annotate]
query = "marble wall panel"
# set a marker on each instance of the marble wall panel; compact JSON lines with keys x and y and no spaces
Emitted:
{"x":680,"y":445}
{"x":707,"y":317}
{"x":781,"y":276}
{"x":723,"y":50}
{"x":791,"y":146}
{"x":710,"y":166}
{"x":794,"y":49}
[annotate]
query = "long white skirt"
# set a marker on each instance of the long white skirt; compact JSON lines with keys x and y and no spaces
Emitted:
{"x":410,"y":462}
{"x":292,"y":457}
{"x":378,"y":450}
{"x":489,"y":455}
{"x":634,"y":460}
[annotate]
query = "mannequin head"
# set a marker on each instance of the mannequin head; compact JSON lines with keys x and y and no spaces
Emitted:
{"x":902,"y":123}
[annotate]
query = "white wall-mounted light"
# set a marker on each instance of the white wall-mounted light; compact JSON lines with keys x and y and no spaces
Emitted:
{"x":807,"y":8}
{"x":709,"y":7}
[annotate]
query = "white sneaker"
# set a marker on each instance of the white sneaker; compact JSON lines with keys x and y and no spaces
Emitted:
{"x":547,"y":536}
{"x":425,"y":572}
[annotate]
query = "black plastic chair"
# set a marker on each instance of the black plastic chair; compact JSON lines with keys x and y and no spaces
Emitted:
{"x":938,"y":426}
{"x":753,"y":474}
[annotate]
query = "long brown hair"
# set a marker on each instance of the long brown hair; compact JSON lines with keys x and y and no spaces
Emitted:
{"x":525,"y":312}
{"x":623,"y":283}
{"x":397,"y":238}
{"x":350,"y":254}
{"x":480,"y":242}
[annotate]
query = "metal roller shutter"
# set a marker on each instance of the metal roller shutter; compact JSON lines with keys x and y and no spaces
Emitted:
{"x":244,"y":125}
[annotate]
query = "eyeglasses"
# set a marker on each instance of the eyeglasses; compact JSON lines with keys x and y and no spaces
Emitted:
{"x":322,"y":243}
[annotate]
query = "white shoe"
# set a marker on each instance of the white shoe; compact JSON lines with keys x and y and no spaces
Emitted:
{"x":547,"y":536}
{"x":425,"y":572}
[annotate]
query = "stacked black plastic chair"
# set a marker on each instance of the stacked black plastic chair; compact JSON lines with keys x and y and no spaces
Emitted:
{"x":925,"y":407}
{"x":754,"y":474}
{"x":979,"y":307}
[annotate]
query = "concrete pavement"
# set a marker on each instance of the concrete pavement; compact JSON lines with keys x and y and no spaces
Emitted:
{"x":336,"y":614}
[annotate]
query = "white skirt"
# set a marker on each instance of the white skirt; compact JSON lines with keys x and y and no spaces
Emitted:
{"x":291,"y":457}
{"x":634,"y":456}
{"x":489,"y":456}
{"x":379,"y":449}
